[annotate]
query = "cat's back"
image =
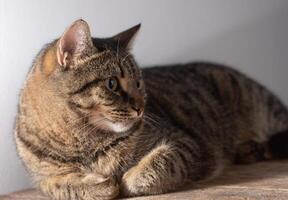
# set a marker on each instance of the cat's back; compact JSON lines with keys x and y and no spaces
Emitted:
{"x":217,"y":81}
{"x":199,"y":72}
{"x":199,"y":94}
{"x":221,"y":83}
{"x":188,"y":96}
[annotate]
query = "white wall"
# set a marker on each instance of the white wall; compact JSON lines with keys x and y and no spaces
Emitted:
{"x":248,"y":34}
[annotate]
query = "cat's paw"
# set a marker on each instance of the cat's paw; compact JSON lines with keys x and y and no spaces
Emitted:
{"x":135,"y":183}
{"x":80,"y":186}
{"x":127,"y":186}
{"x":100,"y":188}
{"x":94,"y":178}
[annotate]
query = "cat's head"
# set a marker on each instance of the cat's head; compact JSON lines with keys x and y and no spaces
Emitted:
{"x":97,"y":78}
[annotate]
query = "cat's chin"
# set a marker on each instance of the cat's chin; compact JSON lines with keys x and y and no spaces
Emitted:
{"x":102,"y":122}
{"x":119,"y":126}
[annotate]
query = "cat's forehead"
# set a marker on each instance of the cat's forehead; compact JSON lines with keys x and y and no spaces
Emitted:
{"x":107,"y":64}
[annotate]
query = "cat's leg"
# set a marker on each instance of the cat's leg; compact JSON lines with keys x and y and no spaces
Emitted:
{"x":278,"y":145}
{"x":78,"y":186}
{"x":65,"y":180}
{"x":169,"y":166}
{"x":153,"y":174}
{"x":252,"y":151}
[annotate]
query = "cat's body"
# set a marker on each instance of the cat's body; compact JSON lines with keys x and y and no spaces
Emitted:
{"x":219,"y":104}
{"x":198,"y":119}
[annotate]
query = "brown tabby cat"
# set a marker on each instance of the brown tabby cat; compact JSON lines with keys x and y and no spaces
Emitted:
{"x":83,"y":133}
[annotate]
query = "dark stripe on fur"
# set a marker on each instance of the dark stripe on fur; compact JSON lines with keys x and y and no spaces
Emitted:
{"x":85,"y":86}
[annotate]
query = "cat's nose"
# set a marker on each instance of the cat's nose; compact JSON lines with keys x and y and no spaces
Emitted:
{"x":139,"y":110}
{"x":137,"y":104}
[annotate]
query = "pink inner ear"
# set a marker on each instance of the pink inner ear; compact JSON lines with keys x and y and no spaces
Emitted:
{"x":73,"y":42}
{"x":62,"y":57}
{"x":69,"y":42}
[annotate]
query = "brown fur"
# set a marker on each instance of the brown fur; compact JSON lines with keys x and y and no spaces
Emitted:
{"x":82,"y":138}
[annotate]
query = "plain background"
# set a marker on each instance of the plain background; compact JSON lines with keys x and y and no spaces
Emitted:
{"x":250,"y":35}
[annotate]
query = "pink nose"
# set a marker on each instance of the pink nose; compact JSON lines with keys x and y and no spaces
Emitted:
{"x":138,"y":110}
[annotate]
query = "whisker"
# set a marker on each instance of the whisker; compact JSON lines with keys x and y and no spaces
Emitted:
{"x":128,"y":54}
{"x":152,"y":120}
{"x":97,"y":124}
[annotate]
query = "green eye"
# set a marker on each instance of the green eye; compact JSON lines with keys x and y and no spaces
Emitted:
{"x":111,"y":84}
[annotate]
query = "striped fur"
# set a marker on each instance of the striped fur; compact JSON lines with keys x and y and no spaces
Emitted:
{"x":82,"y":141}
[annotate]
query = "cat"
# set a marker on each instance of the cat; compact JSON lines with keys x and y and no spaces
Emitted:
{"x":92,"y":125}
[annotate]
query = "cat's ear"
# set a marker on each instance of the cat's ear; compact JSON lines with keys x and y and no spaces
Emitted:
{"x":125,"y":39}
{"x":75,"y":43}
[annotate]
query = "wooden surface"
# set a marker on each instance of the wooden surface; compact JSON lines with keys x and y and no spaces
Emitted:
{"x":261,"y":181}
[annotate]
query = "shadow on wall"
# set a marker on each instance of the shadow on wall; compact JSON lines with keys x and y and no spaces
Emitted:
{"x":250,"y":47}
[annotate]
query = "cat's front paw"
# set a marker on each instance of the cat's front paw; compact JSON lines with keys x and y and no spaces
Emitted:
{"x":135,"y":182}
{"x":77,"y":186}
{"x":128,"y":183}
{"x":100,"y":188}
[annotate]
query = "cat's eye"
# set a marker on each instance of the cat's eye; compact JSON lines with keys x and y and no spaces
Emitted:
{"x":139,"y":84}
{"x":112,"y":84}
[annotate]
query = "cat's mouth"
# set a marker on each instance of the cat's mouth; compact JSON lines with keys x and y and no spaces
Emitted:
{"x":115,"y":125}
